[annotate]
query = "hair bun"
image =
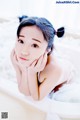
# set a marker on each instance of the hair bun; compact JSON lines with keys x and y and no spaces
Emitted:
{"x":60,"y":32}
{"x":22,"y":17}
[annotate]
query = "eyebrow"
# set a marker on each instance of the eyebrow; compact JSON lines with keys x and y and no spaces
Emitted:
{"x":36,"y":40}
{"x":32,"y":38}
{"x":21,"y":36}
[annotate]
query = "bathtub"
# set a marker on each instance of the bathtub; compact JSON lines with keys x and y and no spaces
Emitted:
{"x":21,"y":107}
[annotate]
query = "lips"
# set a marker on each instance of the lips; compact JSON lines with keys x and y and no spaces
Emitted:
{"x":23,"y":59}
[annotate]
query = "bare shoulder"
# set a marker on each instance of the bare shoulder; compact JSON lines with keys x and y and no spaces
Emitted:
{"x":52,"y":70}
{"x":53,"y":65}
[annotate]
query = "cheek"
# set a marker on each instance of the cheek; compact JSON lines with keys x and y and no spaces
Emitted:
{"x":42,"y":50}
{"x":38,"y":53}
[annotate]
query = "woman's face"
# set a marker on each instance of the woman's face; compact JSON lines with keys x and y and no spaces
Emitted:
{"x":30,"y":45}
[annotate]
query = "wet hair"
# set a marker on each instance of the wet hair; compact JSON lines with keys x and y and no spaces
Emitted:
{"x":44,"y":25}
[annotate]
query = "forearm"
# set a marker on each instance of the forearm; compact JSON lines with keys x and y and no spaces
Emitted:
{"x":18,"y":76}
{"x":33,"y":84}
{"x":21,"y":74}
{"x":24,"y":85}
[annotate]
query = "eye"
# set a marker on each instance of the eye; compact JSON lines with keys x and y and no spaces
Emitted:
{"x":35,"y":45}
{"x":20,"y":41}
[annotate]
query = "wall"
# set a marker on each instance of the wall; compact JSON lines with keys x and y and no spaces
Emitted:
{"x":12,"y":8}
{"x":9,"y":8}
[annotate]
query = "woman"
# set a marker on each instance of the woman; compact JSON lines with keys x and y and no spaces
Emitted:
{"x":38,"y":72}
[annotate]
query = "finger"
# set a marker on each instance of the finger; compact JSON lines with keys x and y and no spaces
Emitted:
{"x":43,"y":62}
{"x":44,"y":59}
{"x":39,"y":61}
{"x":33,"y":63}
{"x":14,"y":57}
{"x":12,"y":54}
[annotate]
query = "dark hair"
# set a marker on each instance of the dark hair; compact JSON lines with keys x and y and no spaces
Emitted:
{"x":45,"y":26}
{"x":22,"y":17}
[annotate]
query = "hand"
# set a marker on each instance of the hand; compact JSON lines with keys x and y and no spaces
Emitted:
{"x":15,"y":62}
{"x":20,"y":74}
{"x":14,"y":59}
{"x":39,"y":64}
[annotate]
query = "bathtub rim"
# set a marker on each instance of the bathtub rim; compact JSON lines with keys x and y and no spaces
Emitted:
{"x":40,"y":104}
{"x":69,"y":106}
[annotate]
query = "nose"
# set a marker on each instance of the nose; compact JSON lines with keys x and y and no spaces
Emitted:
{"x":25,"y":50}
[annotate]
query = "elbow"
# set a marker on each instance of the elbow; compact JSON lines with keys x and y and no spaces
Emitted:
{"x":37,"y":97}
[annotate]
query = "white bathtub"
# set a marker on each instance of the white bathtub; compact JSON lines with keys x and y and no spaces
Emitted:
{"x":17,"y":106}
{"x":20,"y":107}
